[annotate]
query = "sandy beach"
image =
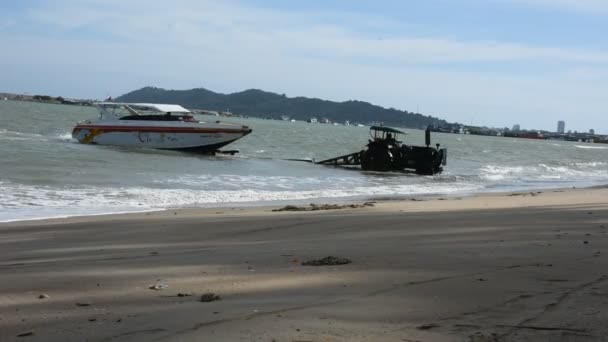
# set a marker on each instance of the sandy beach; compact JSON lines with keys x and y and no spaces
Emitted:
{"x":505,"y":267}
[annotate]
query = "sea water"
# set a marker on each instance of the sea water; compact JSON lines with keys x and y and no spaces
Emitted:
{"x":45,"y":173}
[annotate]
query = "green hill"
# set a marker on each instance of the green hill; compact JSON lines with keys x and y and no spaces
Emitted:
{"x":258,"y":103}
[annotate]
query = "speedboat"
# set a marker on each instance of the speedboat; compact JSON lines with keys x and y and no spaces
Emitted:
{"x":158,"y":126}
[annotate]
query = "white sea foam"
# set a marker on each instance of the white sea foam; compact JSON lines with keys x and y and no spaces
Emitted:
{"x":542,"y":172}
{"x":27,"y":202}
{"x":17,"y":133}
{"x":496,"y":172}
{"x":64,"y":136}
{"x":591,"y":164}
{"x":9,"y":135}
{"x":592,"y":147}
{"x":29,"y":136}
{"x":229,"y":181}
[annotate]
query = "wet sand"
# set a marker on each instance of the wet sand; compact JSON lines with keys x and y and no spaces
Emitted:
{"x":506,"y":267}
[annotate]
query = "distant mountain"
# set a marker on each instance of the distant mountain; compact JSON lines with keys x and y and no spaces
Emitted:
{"x":258,"y":103}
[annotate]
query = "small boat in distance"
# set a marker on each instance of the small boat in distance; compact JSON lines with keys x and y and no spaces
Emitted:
{"x":158,"y":126}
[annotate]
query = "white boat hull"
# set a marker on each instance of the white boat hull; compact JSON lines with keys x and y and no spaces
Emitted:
{"x":202,"y":138}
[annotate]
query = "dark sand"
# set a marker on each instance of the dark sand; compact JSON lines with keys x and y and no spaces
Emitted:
{"x":489,"y":268}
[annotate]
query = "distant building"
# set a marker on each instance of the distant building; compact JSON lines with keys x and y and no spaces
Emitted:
{"x":592,"y":131}
{"x":516,"y":128}
{"x":561,"y":127}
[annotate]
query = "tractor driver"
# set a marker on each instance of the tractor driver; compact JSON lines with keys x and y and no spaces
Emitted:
{"x":390,"y":140}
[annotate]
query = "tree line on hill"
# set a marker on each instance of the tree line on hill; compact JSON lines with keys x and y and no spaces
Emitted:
{"x":258,"y":103}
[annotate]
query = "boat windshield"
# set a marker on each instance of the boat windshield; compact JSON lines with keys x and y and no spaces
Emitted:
{"x":143,"y":111}
{"x":384,"y":133}
{"x":165,"y":117}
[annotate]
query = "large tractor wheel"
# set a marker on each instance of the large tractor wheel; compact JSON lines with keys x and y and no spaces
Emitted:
{"x":376,"y":159}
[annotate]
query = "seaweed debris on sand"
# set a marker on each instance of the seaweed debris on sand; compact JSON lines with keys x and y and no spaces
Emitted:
{"x":209,"y":297}
{"x":314,"y":207}
{"x":327,"y":261}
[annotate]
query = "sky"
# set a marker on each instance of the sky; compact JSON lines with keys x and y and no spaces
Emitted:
{"x":479,"y":62}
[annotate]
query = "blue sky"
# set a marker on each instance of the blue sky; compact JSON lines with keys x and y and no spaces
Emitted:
{"x":483,"y":62}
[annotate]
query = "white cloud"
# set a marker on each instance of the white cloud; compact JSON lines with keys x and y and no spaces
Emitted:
{"x":225,"y":26}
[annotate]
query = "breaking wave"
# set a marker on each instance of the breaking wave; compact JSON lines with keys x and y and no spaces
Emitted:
{"x":573,"y":172}
{"x":9,"y":135}
{"x":592,"y":147}
{"x":32,"y":202}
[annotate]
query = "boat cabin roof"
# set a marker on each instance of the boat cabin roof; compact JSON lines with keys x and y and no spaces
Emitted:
{"x":385,"y":129}
{"x":147,"y":107}
{"x":115,"y":110}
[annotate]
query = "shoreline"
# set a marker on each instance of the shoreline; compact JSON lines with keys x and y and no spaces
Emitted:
{"x":509,"y":267}
{"x":265,"y":207}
